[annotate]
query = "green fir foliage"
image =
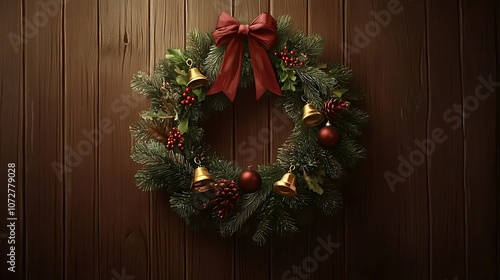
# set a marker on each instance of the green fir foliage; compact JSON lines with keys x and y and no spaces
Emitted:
{"x":320,"y":173}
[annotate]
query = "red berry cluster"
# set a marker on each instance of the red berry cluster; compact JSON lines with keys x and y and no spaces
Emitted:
{"x":290,"y":58}
{"x":188,"y":99}
{"x":175,"y":138}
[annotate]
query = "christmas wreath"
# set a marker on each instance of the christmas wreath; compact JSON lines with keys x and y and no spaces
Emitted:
{"x":211,"y":192}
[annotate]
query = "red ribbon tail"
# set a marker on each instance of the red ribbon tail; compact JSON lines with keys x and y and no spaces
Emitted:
{"x":263,"y":71}
{"x":228,"y":79}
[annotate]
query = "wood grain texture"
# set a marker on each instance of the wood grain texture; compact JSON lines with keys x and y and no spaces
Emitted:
{"x":82,"y":217}
{"x":168,"y":231}
{"x":251,"y":128}
{"x":44,"y":146}
{"x":11,"y":122}
{"x":80,"y":120}
{"x":382,"y":219}
{"x":207,"y":255}
{"x":325,"y":228}
{"x":297,"y":9}
{"x":287,"y":253}
{"x":446,"y":178}
{"x":252,"y":134}
{"x":326,"y":18}
{"x":480,"y":106}
{"x":124,"y":228}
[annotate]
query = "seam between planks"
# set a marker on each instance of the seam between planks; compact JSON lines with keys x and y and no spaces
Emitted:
{"x":464,"y":145}
{"x":429,"y":202}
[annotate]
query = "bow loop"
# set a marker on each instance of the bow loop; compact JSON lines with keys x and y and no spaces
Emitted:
{"x":261,"y":36}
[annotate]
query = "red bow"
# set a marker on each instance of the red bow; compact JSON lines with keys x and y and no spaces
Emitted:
{"x":261,"y":34}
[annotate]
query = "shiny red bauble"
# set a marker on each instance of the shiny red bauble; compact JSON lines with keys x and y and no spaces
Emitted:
{"x":249,"y":181}
{"x":328,"y":137}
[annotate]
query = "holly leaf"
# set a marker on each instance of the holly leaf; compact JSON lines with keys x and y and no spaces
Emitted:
{"x":288,"y":79}
{"x":288,"y":85}
{"x":339,"y":92}
{"x":180,"y":71}
{"x":149,"y":115}
{"x":312,"y":183}
{"x":183,"y":125}
{"x":199,"y":93}
{"x":176,"y":56}
{"x":181,"y":80}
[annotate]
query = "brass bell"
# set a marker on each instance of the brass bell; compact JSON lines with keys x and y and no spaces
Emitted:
{"x":286,"y":186}
{"x":196,"y":79}
{"x":202,"y":180}
{"x":311,"y":116}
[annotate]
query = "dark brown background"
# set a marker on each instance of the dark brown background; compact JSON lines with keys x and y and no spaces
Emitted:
{"x":72,"y":75}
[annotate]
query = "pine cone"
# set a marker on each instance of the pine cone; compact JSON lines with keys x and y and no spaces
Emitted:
{"x":227,"y":195}
{"x":333,"y":107}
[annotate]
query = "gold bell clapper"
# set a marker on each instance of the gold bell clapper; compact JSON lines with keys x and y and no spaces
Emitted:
{"x":286,"y":186}
{"x":196,"y":79}
{"x":202,"y":179}
{"x":311,"y":116}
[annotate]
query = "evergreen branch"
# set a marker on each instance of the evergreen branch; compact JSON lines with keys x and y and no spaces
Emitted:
{"x":149,"y":85}
{"x":312,"y":46}
{"x":263,"y":230}
{"x":149,"y":153}
{"x":198,"y":46}
{"x":181,"y":204}
{"x":330,"y":202}
{"x":283,"y":222}
{"x":249,"y":204}
{"x":213,"y":62}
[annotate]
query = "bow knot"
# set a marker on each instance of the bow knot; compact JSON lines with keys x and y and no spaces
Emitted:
{"x":244,"y":29}
{"x":261,"y":35}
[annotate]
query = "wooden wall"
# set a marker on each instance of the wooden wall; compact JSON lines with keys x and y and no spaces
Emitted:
{"x":66,"y":106}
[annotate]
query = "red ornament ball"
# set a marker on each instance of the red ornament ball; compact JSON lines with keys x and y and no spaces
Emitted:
{"x":249,"y":181}
{"x":328,"y":137}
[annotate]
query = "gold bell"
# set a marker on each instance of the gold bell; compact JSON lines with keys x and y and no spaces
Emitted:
{"x":202,"y":180}
{"x":311,"y":116}
{"x":196,"y":79}
{"x":286,"y":186}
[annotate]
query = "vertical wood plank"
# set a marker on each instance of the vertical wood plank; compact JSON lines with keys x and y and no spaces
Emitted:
{"x":252,"y":148}
{"x":287,"y":253}
{"x":207,"y":255}
{"x":497,"y":140}
{"x":445,"y":177}
{"x":168,"y":231}
{"x":480,"y":106}
{"x":386,"y":235}
{"x":325,"y":18}
{"x":11,"y":122}
{"x":44,"y":110}
{"x":80,"y":120}
{"x":297,"y":9}
{"x":123,"y":209}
